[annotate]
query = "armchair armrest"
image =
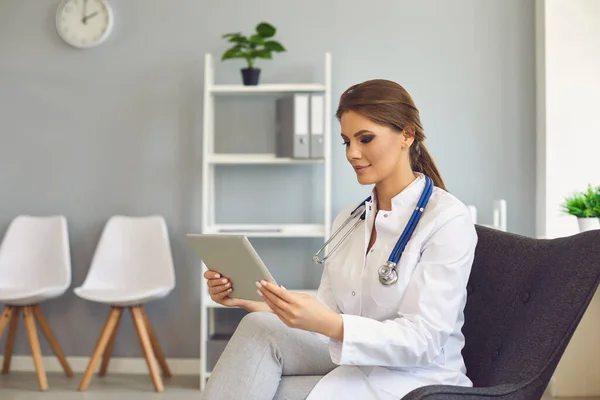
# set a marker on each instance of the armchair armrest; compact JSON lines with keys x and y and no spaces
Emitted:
{"x":446,"y":392}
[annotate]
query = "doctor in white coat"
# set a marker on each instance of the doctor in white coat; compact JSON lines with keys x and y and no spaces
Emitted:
{"x":361,"y":338}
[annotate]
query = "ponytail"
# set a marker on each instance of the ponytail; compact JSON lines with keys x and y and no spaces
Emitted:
{"x":423,"y":163}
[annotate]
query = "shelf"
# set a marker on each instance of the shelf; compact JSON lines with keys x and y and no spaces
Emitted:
{"x":269,"y":230}
{"x":267,"y":158}
{"x":212,"y":304}
{"x":268,"y":88}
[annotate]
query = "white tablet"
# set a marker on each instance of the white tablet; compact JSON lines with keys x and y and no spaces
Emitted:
{"x":234,"y":257}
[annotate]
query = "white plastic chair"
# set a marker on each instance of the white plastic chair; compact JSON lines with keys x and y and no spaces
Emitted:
{"x":132,"y":265}
{"x":35,"y":266}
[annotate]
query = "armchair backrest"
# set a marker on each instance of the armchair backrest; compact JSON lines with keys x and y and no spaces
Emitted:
{"x":526,"y":297}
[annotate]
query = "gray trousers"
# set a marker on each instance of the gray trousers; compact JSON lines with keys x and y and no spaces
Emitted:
{"x":265,"y":359}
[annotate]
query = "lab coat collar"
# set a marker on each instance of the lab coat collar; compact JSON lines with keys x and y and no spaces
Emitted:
{"x":408,"y":196}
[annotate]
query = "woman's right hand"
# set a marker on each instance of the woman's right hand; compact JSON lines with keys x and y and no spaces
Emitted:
{"x":219,"y":289}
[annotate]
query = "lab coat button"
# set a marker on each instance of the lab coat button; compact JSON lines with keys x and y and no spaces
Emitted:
{"x":385,"y":215}
{"x":353,"y":293}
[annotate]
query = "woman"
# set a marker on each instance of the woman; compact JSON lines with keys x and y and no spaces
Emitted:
{"x":362,"y":339}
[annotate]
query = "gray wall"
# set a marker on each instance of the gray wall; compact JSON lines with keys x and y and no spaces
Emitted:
{"x":117,"y":129}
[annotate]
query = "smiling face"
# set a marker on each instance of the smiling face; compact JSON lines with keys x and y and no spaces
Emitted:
{"x":377,"y":153}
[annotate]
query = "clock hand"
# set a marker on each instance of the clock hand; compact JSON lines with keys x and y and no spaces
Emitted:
{"x":89,"y":16}
{"x":84,"y":11}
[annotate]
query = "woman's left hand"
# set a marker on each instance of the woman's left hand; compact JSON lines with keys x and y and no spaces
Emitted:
{"x":300,"y":310}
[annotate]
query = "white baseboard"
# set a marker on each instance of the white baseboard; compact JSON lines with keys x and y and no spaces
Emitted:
{"x":118,"y":365}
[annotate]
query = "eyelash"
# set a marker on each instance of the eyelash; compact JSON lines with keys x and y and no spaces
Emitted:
{"x":364,"y":140}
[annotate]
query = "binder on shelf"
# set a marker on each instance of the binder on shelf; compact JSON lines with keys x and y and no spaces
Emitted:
{"x":317,"y":126}
{"x":292,"y":126}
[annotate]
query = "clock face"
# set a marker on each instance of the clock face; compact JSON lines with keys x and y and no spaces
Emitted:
{"x":84,"y":23}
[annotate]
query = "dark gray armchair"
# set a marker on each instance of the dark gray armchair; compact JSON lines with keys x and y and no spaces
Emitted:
{"x":525,"y":299}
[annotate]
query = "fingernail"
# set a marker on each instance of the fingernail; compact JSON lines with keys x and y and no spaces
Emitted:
{"x":217,"y":276}
{"x":259,"y":293}
{"x":264,"y":283}
{"x":224,"y":280}
{"x":283,"y":287}
{"x":257,"y":284}
{"x":229,"y":290}
{"x":229,"y":284}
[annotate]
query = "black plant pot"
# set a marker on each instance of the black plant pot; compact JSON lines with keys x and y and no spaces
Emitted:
{"x":250,"y":76}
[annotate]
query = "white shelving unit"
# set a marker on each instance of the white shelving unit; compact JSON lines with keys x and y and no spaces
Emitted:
{"x":211,"y":161}
{"x":499,"y":215}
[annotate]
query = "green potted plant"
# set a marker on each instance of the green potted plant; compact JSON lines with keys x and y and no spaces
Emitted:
{"x":585,"y":206}
{"x":259,"y":45}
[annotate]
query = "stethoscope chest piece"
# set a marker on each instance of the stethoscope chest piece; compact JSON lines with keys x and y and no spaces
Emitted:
{"x":387,"y":273}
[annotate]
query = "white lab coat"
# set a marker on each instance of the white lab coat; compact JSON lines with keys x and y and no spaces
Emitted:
{"x":406,"y":335}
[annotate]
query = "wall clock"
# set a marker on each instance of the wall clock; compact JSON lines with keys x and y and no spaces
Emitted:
{"x":84,"y":23}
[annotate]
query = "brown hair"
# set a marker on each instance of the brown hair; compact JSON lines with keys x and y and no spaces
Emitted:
{"x":387,"y":103}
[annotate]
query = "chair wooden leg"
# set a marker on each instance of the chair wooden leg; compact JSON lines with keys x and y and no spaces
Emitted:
{"x":45,"y":327}
{"x":5,"y":318}
{"x":160,"y":357}
{"x":140,"y":326}
{"x":109,"y":348}
{"x":36,"y":351}
{"x":107,"y":331}
{"x":10,"y":340}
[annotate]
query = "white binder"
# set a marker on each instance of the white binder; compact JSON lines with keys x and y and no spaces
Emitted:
{"x":317,"y":126}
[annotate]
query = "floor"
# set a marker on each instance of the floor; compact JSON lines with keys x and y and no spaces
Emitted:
{"x":23,"y":386}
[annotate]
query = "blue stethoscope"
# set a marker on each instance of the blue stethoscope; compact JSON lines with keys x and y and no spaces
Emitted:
{"x":387,"y":272}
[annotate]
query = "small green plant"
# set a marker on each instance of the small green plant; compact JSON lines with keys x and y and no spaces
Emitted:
{"x":258,"y":45}
{"x":583,"y":204}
